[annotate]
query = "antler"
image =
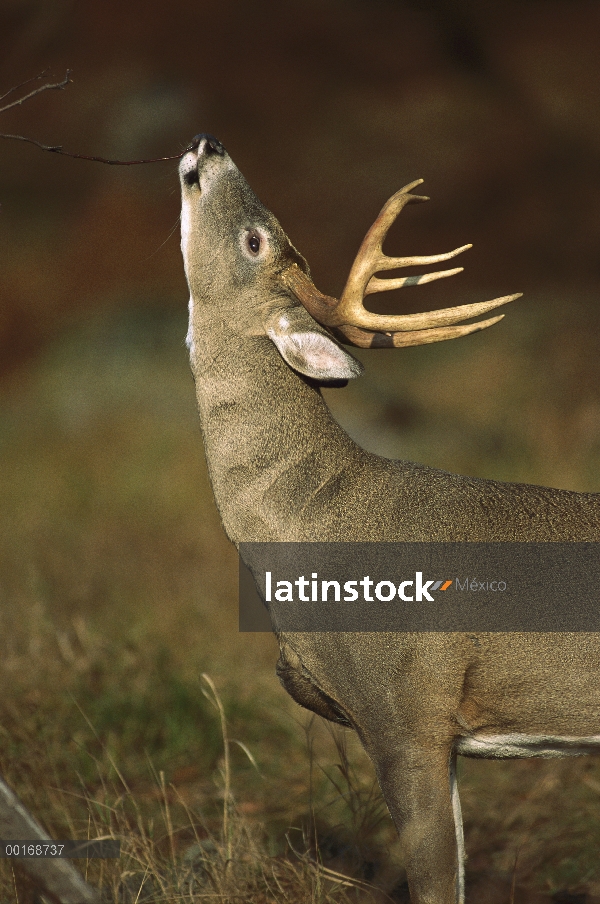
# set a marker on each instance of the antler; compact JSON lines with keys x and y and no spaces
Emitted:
{"x":354,"y":325}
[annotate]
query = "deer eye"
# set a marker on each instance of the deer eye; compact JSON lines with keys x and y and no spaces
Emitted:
{"x":253,"y":242}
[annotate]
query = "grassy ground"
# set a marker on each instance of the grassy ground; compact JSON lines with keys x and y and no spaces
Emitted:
{"x":118,"y":591}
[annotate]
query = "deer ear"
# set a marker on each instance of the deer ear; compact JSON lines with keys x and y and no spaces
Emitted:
{"x":309,"y":349}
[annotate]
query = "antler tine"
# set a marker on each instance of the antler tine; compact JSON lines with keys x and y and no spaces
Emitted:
{"x":443,"y":317}
{"x":390,"y":263}
{"x":370,"y":257}
{"x":352,"y":335}
{"x":384,"y":285}
{"x":348,"y":317}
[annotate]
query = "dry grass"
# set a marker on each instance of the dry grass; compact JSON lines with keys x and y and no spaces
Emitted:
{"x":171,"y":852}
{"x":118,"y":590}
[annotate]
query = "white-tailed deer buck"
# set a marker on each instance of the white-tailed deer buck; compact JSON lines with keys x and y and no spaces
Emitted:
{"x":262,"y":339}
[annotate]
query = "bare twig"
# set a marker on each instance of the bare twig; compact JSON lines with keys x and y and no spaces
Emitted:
{"x":57,"y":148}
{"x":22,"y":84}
{"x":60,"y":86}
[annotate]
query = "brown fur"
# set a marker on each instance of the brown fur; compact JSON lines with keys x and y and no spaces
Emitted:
{"x":283,"y":470}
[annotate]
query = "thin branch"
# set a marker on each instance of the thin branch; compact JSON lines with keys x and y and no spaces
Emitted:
{"x":57,"y":148}
{"x":60,"y":86}
{"x":27,"y":81}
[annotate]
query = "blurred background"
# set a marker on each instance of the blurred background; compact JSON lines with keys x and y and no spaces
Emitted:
{"x":117,"y":585}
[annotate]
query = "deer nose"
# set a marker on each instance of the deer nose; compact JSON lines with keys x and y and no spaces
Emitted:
{"x":207,"y":144}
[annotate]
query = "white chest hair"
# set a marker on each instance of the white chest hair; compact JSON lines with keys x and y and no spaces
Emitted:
{"x":185,"y":238}
{"x":522,"y":745}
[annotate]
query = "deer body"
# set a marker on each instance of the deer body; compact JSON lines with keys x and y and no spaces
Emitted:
{"x":283,"y":470}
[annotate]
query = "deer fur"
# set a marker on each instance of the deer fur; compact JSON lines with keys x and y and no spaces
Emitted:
{"x":283,"y":470}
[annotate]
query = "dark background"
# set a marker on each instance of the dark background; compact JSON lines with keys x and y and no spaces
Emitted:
{"x":328,"y":107}
{"x":117,"y":585}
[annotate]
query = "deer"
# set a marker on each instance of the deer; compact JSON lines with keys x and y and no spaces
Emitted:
{"x":263,"y":340}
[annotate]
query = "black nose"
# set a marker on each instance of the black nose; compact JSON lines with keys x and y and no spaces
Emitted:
{"x":207,"y":144}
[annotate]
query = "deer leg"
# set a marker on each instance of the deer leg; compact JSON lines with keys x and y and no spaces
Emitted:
{"x":419,"y":787}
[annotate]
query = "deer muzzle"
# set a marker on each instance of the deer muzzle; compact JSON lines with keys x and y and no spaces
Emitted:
{"x":201,"y":148}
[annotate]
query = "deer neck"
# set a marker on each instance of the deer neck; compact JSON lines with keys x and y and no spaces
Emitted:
{"x":274,"y":451}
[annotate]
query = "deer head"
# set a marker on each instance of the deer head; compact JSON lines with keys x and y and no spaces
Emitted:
{"x":264,"y":283}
